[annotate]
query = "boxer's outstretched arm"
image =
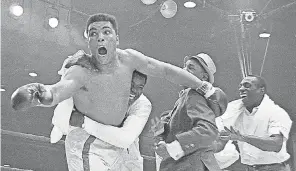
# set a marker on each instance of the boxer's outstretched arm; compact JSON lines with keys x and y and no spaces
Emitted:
{"x":156,"y":68}
{"x":36,"y":94}
{"x":70,"y":83}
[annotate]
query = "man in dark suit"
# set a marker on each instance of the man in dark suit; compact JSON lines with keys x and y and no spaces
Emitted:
{"x":189,"y":129}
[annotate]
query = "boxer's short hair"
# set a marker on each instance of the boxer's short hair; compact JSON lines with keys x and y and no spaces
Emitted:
{"x":102,"y":17}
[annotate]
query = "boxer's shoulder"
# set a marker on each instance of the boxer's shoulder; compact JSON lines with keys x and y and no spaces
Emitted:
{"x":128,"y":53}
{"x":122,"y":54}
{"x":129,"y":56}
{"x":80,"y":58}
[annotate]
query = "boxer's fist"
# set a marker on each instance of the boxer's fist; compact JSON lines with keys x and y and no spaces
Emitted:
{"x":30,"y":95}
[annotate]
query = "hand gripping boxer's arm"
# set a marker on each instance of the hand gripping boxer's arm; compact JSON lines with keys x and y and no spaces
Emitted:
{"x":37,"y":94}
{"x":138,"y":114}
{"x":156,"y":68}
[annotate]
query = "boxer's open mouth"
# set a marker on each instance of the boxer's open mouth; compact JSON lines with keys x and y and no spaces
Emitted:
{"x":102,"y":51}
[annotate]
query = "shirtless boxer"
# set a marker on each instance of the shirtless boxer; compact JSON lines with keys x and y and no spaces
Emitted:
{"x":125,"y":136}
{"x":100,"y":83}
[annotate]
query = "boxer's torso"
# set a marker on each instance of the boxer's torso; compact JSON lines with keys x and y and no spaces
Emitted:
{"x":104,"y":97}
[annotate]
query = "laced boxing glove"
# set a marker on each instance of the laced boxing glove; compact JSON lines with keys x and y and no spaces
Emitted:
{"x":31,"y":95}
{"x":206,"y":89}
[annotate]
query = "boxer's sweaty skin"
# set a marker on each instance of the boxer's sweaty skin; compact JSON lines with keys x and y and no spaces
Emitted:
{"x":100,"y":84}
{"x":103,"y":96}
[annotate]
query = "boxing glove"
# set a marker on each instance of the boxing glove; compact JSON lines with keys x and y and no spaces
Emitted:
{"x":31,"y":95}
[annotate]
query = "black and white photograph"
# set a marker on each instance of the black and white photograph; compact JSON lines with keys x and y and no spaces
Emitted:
{"x":148,"y":85}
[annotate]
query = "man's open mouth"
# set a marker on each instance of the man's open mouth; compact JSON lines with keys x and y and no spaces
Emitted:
{"x":243,"y":95}
{"x":102,"y":51}
{"x":132,"y":96}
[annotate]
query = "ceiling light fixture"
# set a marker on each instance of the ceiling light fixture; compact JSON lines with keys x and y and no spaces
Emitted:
{"x":148,"y":2}
{"x":168,"y":9}
{"x":33,"y":74}
{"x":16,"y":10}
{"x":51,"y":18}
{"x":189,"y":4}
{"x":53,"y":22}
{"x":264,"y":35}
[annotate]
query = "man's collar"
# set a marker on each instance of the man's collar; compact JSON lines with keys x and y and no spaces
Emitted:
{"x":182,"y":91}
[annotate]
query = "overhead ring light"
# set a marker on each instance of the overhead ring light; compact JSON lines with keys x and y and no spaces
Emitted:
{"x":148,"y":2}
{"x":189,"y":4}
{"x":16,"y":10}
{"x":52,"y":17}
{"x":168,"y":9}
{"x":53,"y":22}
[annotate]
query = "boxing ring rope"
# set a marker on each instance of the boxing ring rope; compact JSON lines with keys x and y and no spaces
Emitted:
{"x":8,"y":168}
{"x":29,"y":136}
{"x":46,"y":140}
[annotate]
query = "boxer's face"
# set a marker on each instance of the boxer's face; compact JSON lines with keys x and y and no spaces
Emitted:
{"x":137,"y":86}
{"x":102,"y":41}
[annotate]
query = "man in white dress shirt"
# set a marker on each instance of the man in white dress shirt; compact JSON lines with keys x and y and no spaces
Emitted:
{"x":260,"y":127}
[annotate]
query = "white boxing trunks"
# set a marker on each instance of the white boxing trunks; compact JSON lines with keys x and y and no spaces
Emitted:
{"x":86,"y":153}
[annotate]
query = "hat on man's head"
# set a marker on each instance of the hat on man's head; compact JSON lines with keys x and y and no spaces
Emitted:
{"x":207,"y":63}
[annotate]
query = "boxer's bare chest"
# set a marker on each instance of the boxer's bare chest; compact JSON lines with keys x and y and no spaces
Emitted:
{"x":104,"y":97}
